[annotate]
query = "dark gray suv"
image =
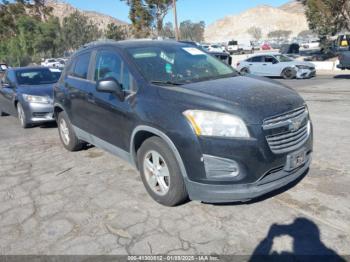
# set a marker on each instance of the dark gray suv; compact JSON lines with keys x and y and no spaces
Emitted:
{"x":190,"y":124}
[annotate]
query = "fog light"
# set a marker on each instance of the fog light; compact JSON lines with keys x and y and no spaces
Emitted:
{"x":220,"y":168}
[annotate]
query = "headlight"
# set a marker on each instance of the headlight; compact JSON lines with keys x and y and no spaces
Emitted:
{"x":208,"y":123}
{"x":36,"y":99}
{"x":302,"y":67}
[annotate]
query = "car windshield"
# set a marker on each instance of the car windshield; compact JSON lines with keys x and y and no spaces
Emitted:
{"x":40,"y":76}
{"x":283,"y":58}
{"x":178,"y":64}
{"x":232,"y":43}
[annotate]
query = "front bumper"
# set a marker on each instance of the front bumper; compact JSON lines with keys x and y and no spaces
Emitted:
{"x":214,"y":193}
{"x":305,"y":73}
{"x":39,"y":113}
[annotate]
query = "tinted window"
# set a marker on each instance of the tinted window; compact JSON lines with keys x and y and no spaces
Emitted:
{"x":178,"y":63}
{"x":35,"y":77}
{"x":109,"y":64}
{"x":82,"y":66}
{"x":269,"y":59}
{"x":256,"y":59}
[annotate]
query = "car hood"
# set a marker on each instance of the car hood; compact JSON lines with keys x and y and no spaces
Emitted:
{"x":37,"y":90}
{"x":252,"y":98}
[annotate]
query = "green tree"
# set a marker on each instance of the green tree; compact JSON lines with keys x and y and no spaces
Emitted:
{"x":140,"y":17}
{"x":77,"y":30}
{"x":49,"y":39}
{"x":192,"y":31}
{"x":328,"y":17}
{"x":159,"y":9}
{"x":115,"y":32}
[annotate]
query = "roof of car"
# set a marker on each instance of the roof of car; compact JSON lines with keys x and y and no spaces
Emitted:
{"x":132,"y":43}
{"x":267,"y":53}
{"x":28,"y":68}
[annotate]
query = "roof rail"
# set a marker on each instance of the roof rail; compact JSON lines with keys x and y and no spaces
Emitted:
{"x":98,"y":42}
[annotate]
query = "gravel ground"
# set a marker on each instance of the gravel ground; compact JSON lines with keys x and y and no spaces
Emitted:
{"x":90,"y":202}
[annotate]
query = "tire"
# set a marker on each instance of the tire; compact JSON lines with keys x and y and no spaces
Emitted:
{"x":67,"y":135}
{"x":245,"y":71}
{"x":22,"y":116}
{"x":288,"y":73}
{"x":167,"y":187}
{"x":2,"y":113}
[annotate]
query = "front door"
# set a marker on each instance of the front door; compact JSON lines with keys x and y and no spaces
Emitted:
{"x":112,"y":116}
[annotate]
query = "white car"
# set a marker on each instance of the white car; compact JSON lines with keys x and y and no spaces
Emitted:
{"x":278,"y":65}
{"x":51,"y":62}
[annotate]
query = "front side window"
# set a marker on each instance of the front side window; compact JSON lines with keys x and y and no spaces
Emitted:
{"x":81,"y":67}
{"x":178,"y":64}
{"x":270,"y":59}
{"x":110,"y":65}
{"x":283,"y":58}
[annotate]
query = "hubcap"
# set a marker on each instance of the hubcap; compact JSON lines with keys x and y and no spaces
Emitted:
{"x":156,"y":173}
{"x":64,"y":131}
{"x":20,"y":114}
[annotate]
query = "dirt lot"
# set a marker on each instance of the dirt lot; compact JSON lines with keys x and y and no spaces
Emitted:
{"x":90,"y":202}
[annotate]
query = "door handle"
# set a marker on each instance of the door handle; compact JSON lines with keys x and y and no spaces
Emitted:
{"x":250,"y":64}
{"x":264,"y":64}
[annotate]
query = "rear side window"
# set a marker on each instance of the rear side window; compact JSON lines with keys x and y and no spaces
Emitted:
{"x":81,"y":67}
{"x":256,"y":59}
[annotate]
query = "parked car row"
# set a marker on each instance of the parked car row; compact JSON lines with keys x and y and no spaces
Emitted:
{"x":192,"y":125}
{"x":28,"y":93}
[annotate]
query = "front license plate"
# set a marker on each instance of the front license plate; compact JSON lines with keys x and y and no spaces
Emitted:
{"x":295,"y":160}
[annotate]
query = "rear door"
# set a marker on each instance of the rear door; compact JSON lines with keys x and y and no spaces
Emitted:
{"x":79,"y":88}
{"x":255,"y":65}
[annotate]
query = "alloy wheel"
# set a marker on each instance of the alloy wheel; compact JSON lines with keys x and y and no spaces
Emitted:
{"x":64,"y":131}
{"x":156,"y":172}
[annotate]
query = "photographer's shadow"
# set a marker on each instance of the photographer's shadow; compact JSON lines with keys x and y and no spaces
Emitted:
{"x":307,"y":244}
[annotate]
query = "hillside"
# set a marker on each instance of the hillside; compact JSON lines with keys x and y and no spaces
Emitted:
{"x":62,"y":10}
{"x":287,"y":17}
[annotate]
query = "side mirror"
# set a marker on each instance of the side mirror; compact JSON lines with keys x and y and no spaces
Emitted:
{"x":274,"y":62}
{"x":111,"y":85}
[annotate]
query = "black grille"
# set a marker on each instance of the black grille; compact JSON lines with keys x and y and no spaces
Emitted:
{"x":287,"y":132}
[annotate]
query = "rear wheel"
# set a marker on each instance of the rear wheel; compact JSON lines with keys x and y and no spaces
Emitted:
{"x":2,"y":113}
{"x":288,"y":73}
{"x":160,"y":173}
{"x":22,"y":116}
{"x":67,"y":135}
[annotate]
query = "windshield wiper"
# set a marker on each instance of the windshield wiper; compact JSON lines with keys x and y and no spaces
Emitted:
{"x":170,"y":83}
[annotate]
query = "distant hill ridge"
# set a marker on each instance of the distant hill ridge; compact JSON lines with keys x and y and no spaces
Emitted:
{"x":62,"y":9}
{"x":290,"y":16}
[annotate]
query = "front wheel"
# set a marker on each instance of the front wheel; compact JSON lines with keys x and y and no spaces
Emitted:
{"x":289,"y":73}
{"x":22,"y":116}
{"x":160,"y":173}
{"x":67,"y":135}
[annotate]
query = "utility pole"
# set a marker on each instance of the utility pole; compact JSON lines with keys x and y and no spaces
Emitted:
{"x":177,"y":34}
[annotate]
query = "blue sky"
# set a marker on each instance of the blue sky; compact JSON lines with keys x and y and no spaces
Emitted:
{"x":195,"y":10}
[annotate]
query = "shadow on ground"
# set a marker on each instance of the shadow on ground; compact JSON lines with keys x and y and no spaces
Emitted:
{"x":307,"y":245}
{"x":342,"y":76}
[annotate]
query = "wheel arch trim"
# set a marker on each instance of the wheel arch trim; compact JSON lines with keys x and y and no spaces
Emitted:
{"x":163,"y":136}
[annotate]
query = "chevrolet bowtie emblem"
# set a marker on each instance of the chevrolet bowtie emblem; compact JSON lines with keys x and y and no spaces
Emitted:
{"x":295,"y":124}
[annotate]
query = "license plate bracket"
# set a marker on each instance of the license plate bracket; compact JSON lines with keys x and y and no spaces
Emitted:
{"x":295,"y":160}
